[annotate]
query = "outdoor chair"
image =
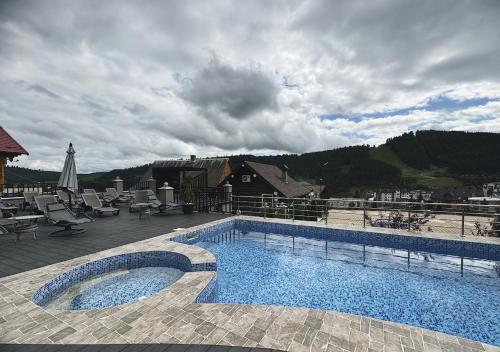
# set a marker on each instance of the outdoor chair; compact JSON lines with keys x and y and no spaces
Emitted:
{"x":13,"y":226}
{"x":112,"y":192}
{"x":42,"y":201}
{"x":89,"y":191}
{"x":92,"y":200}
{"x":28,"y":199}
{"x":59,"y":215}
{"x":159,"y":205}
{"x":7,"y":210}
{"x":141,"y":204}
{"x":76,"y":199}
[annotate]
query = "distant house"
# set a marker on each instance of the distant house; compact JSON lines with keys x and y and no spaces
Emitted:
{"x":491,"y":189}
{"x":386,"y":196}
{"x":9,"y":149}
{"x":397,"y":195}
{"x":454,"y":194}
{"x":204,"y":172}
{"x":256,"y":179}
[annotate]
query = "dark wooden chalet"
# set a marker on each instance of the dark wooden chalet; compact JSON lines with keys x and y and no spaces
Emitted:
{"x":206,"y":173}
{"x":256,"y":179}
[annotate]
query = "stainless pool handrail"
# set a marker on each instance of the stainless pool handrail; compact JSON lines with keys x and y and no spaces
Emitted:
{"x":412,"y":215}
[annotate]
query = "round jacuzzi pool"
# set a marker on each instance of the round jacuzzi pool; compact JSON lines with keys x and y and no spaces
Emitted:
{"x":113,"y":281}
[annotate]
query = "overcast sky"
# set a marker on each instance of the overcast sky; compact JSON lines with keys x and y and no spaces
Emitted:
{"x":132,"y":82}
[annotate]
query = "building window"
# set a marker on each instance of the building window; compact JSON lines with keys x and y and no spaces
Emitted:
{"x":245,"y":178}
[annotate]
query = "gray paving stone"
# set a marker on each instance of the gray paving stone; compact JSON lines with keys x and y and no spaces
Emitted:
{"x":59,"y":335}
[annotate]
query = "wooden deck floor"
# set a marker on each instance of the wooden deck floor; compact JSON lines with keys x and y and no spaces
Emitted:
{"x":104,"y":233}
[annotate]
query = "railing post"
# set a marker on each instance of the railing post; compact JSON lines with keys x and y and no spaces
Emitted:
{"x":409,"y":214}
{"x":364,"y":214}
{"x":326,"y":213}
{"x":463,"y":221}
{"x":293,"y":211}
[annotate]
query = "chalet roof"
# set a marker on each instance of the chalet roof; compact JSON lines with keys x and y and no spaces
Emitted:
{"x":216,"y":167}
{"x":9,"y":146}
{"x":317,"y":189}
{"x":273,"y":175}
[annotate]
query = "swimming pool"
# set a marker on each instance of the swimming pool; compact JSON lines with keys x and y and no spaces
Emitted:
{"x":437,"y":290}
{"x":115,"y":280}
{"x":115,"y":288}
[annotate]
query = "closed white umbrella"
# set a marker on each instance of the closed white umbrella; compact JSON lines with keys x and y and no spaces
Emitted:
{"x":68,"y":180}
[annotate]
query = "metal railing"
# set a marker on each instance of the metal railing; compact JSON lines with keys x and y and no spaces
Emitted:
{"x":17,"y":189}
{"x":458,"y":219}
{"x":208,"y":200}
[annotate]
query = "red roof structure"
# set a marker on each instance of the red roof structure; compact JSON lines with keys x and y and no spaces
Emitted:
{"x":8,"y":145}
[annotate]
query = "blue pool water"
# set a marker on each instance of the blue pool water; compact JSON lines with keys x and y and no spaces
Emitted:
{"x":115,"y":288}
{"x":436,"y":292}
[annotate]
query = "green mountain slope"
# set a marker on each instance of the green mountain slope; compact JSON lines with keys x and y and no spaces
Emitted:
{"x":426,"y":178}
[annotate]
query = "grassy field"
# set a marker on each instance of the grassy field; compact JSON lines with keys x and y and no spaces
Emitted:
{"x":433,"y":177}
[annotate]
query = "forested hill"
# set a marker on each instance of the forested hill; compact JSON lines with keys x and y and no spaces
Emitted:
{"x":424,"y":159}
{"x":474,"y":153}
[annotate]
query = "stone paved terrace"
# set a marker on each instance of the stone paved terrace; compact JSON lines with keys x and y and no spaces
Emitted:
{"x":128,"y":348}
{"x":104,"y":233}
{"x":171,"y":317}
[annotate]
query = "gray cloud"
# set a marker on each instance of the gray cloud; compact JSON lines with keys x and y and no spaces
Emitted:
{"x":238,"y":92}
{"x":42,"y":90}
{"x":176,"y":78}
{"x":135,"y":109}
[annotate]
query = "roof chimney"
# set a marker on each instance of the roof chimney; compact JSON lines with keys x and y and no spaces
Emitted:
{"x":193,"y":157}
{"x":284,"y":173}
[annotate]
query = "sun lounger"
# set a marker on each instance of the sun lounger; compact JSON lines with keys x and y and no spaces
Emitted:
{"x":4,"y":223}
{"x":59,"y":215}
{"x":76,"y":199}
{"x":42,"y":201}
{"x":112,"y":192}
{"x":92,"y":200}
{"x":106,"y":198}
{"x":159,"y":205}
{"x":28,"y":199}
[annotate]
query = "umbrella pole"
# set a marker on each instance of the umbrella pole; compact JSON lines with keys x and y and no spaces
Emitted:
{"x":69,"y":197}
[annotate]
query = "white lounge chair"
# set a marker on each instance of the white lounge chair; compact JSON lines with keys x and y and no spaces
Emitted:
{"x":63,"y":196}
{"x":92,"y":200}
{"x":113,"y":193}
{"x":42,"y":201}
{"x":159,"y":205}
{"x":28,"y":199}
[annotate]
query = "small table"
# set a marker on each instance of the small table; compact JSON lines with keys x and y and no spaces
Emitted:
{"x":26,"y":223}
{"x":142,"y":208}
